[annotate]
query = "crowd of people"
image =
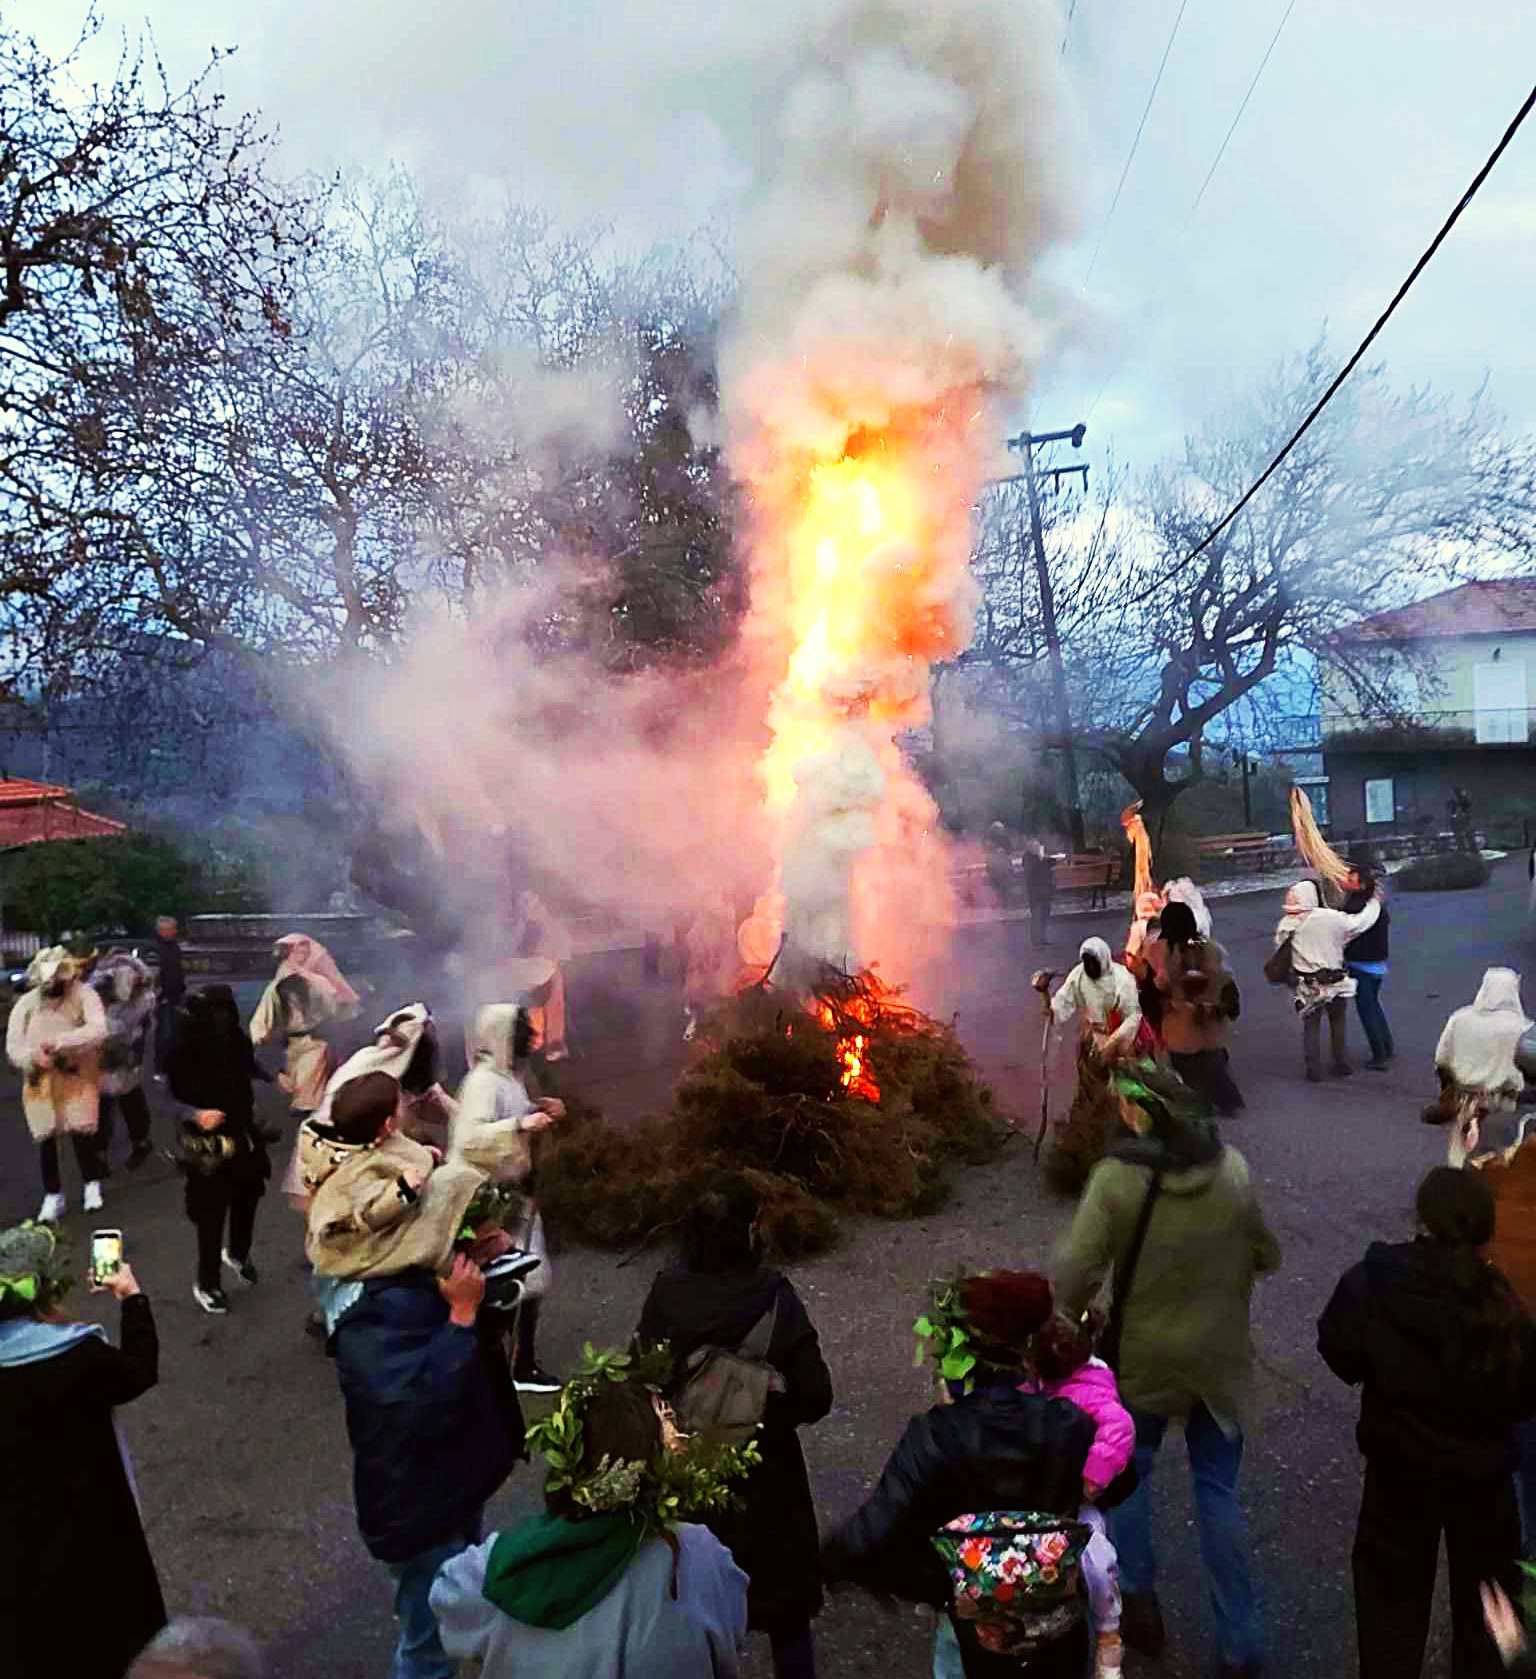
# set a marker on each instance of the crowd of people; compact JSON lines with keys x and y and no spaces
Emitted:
{"x":678,"y":1514}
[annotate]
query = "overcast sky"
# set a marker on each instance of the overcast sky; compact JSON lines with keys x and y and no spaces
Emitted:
{"x":1367,"y":124}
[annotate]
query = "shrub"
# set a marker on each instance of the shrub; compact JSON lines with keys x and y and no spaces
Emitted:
{"x":1451,"y":871}
{"x":768,"y":1100}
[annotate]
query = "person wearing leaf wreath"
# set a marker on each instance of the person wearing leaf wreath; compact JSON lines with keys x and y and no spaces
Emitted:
{"x":614,"y":1580}
{"x":718,"y":1295}
{"x":79,"y":1595}
{"x":975,"y":1510}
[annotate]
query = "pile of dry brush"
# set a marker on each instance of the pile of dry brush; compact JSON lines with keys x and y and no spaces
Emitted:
{"x":767,"y":1100}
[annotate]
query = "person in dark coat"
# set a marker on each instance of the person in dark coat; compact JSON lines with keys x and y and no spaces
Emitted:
{"x":170,"y":986}
{"x":994,"y":1448}
{"x":1445,"y":1358}
{"x":1039,"y":889}
{"x":435,"y":1429}
{"x":209,"y":1070}
{"x":78,"y":1589}
{"x":1366,"y":957}
{"x":714,"y":1296}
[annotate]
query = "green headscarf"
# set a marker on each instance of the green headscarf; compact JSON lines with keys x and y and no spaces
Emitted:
{"x":550,"y":1570}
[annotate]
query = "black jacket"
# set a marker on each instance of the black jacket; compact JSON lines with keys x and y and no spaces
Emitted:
{"x":1374,"y":943}
{"x":431,"y":1413}
{"x":78,"y":1589}
{"x":171,"y":980}
{"x":1039,"y":879}
{"x":773,"y":1536}
{"x":1394,"y":1326}
{"x":997,"y":1449}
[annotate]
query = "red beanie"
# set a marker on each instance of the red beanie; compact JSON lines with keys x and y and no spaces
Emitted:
{"x":1007,"y":1307}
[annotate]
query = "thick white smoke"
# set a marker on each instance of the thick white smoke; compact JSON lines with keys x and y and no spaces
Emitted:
{"x":884,"y":312}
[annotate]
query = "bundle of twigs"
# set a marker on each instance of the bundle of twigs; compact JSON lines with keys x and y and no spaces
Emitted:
{"x":1315,"y":850}
{"x":769,"y":1099}
{"x":1141,"y":845}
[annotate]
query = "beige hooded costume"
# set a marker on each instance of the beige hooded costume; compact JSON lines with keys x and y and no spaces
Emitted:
{"x":328,"y":997}
{"x":365,"y":1219}
{"x":1476,"y":1052}
{"x":488,"y":1129}
{"x":423,"y":1118}
{"x":61,"y":1090}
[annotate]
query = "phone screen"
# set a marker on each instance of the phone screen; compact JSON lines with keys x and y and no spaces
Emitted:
{"x":106,"y":1254}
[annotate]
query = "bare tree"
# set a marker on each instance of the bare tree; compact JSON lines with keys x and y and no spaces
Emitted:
{"x":1390,"y":493}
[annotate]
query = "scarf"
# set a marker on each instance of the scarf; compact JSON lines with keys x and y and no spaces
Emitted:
{"x":30,"y":1340}
{"x":549,"y":1571}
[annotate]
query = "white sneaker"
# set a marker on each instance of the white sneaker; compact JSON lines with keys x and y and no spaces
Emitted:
{"x":52,"y":1209}
{"x":92,"y":1201}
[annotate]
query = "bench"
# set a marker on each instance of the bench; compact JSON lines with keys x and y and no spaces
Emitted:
{"x":1094,"y":874}
{"x":1252,"y":848}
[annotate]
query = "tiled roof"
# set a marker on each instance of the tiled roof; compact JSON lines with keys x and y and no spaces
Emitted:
{"x":1493,"y":608}
{"x":33,"y":812}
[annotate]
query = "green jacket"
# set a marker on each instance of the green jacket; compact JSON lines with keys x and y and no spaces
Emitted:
{"x":1185,"y":1336}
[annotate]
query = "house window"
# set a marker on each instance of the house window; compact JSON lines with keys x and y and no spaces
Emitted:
{"x":1499,"y":702}
{"x":1317,"y":794}
{"x":1380,"y":805}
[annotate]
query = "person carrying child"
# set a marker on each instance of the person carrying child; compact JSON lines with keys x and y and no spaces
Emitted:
{"x":209,"y":1069}
{"x":1058,"y":1362}
{"x":378,"y":1201}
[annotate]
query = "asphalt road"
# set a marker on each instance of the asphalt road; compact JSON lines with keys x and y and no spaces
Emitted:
{"x":241,"y":1454}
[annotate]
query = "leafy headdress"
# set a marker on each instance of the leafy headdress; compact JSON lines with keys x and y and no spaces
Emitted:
{"x":35,"y":1274}
{"x":690,"y":1478}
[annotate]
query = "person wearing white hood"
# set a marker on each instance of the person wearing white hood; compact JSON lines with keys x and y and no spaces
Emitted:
{"x":1104,"y":994}
{"x":1318,"y":973}
{"x":495,"y":1113}
{"x":54,"y":1039}
{"x":1475,"y":1059}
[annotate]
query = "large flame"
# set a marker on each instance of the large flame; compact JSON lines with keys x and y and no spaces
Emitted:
{"x":862,"y":584}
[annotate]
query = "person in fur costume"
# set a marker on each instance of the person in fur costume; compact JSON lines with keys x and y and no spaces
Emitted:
{"x":54,"y":1039}
{"x":307,"y":995}
{"x":496,"y":1114}
{"x":127,"y":991}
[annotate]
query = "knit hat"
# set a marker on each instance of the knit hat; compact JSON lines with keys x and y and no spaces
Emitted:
{"x":1003,"y":1310}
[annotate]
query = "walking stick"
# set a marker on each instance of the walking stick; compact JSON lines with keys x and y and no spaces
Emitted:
{"x":1041,"y":982}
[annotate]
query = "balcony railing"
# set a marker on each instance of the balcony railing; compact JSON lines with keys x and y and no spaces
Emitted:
{"x":1490,"y":726}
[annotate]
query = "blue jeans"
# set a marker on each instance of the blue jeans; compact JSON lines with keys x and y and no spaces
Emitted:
{"x":419,"y":1654}
{"x":1214,"y":1462}
{"x":1373,"y":1020}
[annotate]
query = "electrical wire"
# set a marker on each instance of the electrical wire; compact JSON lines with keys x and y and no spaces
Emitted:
{"x":1370,"y":338}
{"x":1066,"y":33}
{"x":1221,"y":150}
{"x":1157,"y":82}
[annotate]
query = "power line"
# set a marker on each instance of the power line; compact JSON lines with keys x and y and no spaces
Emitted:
{"x":1370,"y":338}
{"x":1157,"y":82}
{"x":1221,"y":150}
{"x":1066,"y":34}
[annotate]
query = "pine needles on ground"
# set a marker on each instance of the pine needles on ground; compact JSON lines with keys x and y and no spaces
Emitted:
{"x":772,"y":1099}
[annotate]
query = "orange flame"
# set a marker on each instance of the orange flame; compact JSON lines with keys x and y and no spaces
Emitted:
{"x":851,"y":1050}
{"x":861,"y":583}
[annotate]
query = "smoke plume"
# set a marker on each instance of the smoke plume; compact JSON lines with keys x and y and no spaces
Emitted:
{"x":881,"y":319}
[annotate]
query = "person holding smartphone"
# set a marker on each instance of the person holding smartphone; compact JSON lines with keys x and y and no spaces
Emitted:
{"x":66,"y":1495}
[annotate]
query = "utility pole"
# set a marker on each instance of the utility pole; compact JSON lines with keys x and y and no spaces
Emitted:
{"x":1025,"y":442}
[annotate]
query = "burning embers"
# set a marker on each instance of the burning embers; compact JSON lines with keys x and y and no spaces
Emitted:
{"x":851,"y":1050}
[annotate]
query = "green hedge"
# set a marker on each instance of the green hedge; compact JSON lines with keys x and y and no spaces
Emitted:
{"x":1452,"y":871}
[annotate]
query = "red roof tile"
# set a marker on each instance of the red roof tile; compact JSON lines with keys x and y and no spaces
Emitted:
{"x":1496,"y":607}
{"x":35,"y":812}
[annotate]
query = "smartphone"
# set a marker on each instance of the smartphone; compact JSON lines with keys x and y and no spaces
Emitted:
{"x":106,"y":1255}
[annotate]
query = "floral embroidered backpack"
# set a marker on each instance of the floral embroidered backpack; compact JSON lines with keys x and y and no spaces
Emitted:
{"x":1015,"y":1578}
